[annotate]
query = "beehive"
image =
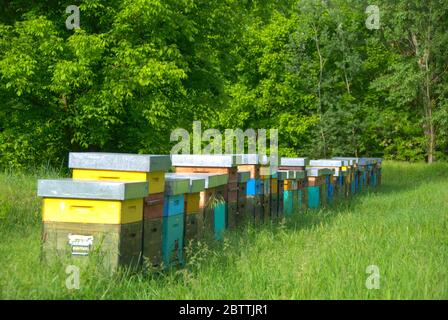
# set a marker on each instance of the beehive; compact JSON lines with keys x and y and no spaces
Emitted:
{"x":176,"y":189}
{"x":298,"y":166}
{"x":317,"y":191}
{"x":267,"y":173}
{"x":254,"y":186}
{"x":192,"y":222}
{"x":121,"y":167}
{"x":208,"y":201}
{"x":81,"y":218}
{"x":216,"y":164}
{"x":192,"y":208}
{"x":338,"y":166}
{"x":173,"y":240}
{"x":293,"y":163}
{"x":300,"y":204}
{"x":173,"y":220}
{"x":350,"y":176}
{"x":242,"y":216}
{"x":152,"y":241}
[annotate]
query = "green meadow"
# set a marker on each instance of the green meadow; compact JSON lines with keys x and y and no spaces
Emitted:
{"x":402,"y":228}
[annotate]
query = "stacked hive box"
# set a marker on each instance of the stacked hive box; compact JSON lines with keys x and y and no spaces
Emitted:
{"x":281,"y":178}
{"x":340,"y":178}
{"x":352,"y":168}
{"x":364,"y":166}
{"x":340,"y":171}
{"x":254,"y":190}
{"x":317,"y":179}
{"x":298,"y":189}
{"x":212,"y":207}
{"x":174,"y":221}
{"x":375,"y":175}
{"x":85,"y":218}
{"x":193,"y":210}
{"x":290,"y":188}
{"x":378,"y":171}
{"x":267,"y":174}
{"x":301,"y":186}
{"x":351,"y":165}
{"x":130,"y":167}
{"x":349,"y":178}
{"x":243,"y":178}
{"x":274,"y":196}
{"x":299,"y":165}
{"x":217,"y":164}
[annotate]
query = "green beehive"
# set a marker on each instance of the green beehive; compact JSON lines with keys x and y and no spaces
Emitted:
{"x":288,"y":202}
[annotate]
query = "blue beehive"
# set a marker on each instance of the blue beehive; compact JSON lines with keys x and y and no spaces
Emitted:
{"x":172,"y":240}
{"x":174,"y":205}
{"x":330,"y":192}
{"x":341,"y":181}
{"x":254,"y":187}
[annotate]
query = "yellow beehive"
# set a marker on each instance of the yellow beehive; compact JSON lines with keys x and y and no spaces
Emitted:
{"x":121,"y":167}
{"x":288,"y":185}
{"x":192,"y":201}
{"x":77,"y":201}
{"x":156,"y":179}
{"x":92,"y":211}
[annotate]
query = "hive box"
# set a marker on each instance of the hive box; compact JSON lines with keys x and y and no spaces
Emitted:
{"x":243,"y":178}
{"x":92,"y":201}
{"x":192,"y":197}
{"x":93,"y":218}
{"x":176,"y":187}
{"x":317,"y":190}
{"x":288,"y":203}
{"x":153,"y":206}
{"x":293,"y":163}
{"x":255,"y":208}
{"x":173,"y":240}
{"x":152,"y":241}
{"x":219,"y":164}
{"x":251,"y":163}
{"x":191,"y":228}
{"x":121,"y":167}
{"x":327,"y":163}
{"x":113,"y":246}
{"x":208,"y":200}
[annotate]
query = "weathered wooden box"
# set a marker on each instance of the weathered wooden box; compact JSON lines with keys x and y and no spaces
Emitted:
{"x":112,"y":246}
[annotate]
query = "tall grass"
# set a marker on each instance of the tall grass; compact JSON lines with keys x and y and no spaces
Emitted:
{"x":401,"y":228}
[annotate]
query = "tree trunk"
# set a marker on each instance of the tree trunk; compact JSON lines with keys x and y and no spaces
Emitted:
{"x":429,"y":107}
{"x":319,"y":89}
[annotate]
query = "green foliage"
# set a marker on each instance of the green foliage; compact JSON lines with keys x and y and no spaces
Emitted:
{"x":136,"y":70}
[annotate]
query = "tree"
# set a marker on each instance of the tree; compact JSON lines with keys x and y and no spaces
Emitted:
{"x":416,"y":31}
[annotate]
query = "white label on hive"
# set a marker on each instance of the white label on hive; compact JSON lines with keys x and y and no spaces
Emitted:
{"x":80,"y":244}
